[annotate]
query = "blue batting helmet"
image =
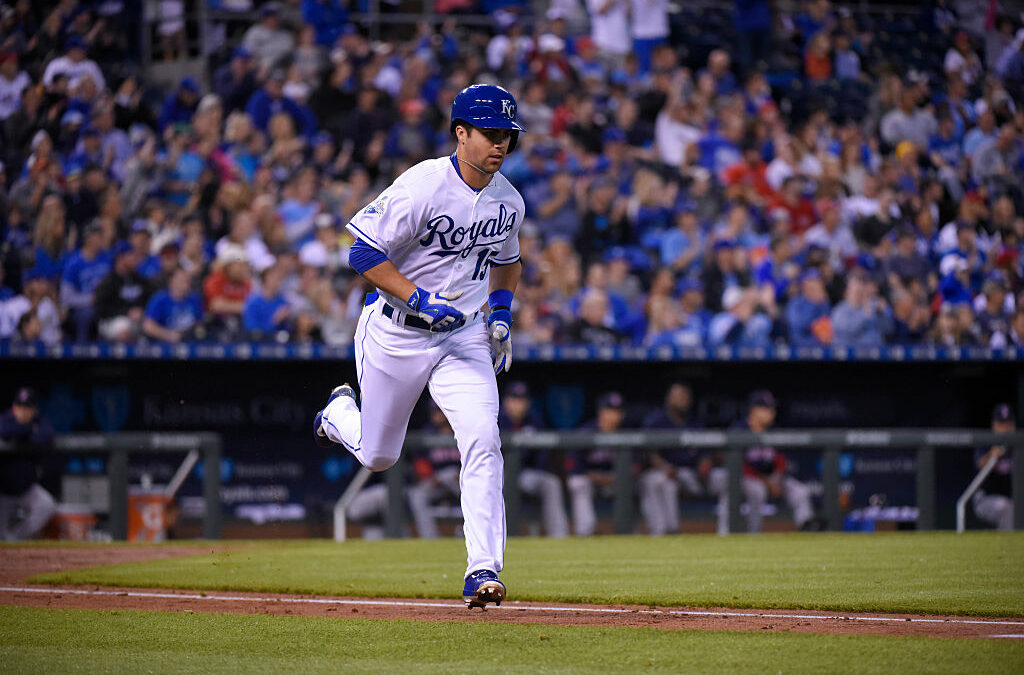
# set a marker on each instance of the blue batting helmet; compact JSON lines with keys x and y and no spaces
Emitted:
{"x":489,"y":107}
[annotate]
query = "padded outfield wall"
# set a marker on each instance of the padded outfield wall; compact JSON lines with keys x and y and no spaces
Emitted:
{"x":272,"y":471}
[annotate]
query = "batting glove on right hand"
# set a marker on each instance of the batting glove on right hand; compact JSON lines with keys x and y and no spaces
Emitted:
{"x":437,"y":310}
{"x":499,"y":325}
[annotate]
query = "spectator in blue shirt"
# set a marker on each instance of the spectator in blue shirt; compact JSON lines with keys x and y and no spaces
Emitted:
{"x":83,"y":272}
{"x":860,"y":320}
{"x":682,"y":247}
{"x":807,"y":315}
{"x":777,"y":269}
{"x":412,"y":136}
{"x":740,"y":324}
{"x":174,"y":313}
{"x":269,"y":100}
{"x":267,"y":310}
{"x":327,"y":17}
{"x":180,"y":105}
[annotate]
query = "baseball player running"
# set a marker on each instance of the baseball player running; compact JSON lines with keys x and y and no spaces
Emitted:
{"x":437,"y":244}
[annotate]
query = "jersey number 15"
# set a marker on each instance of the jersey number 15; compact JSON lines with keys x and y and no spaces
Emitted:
{"x":482,"y":264}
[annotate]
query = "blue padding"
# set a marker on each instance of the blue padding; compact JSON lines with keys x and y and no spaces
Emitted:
{"x":363,"y":257}
{"x":500,"y":298}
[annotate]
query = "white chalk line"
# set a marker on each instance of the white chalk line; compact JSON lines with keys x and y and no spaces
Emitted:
{"x":512,"y":606}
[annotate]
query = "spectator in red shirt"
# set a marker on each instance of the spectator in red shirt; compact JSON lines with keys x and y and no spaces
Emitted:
{"x":747,"y":180}
{"x":226,"y":290}
{"x":799,"y":207}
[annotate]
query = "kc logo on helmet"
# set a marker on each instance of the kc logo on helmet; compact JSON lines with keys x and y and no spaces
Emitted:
{"x":508,"y":108}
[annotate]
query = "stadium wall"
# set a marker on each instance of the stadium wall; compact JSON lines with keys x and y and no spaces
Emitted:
{"x":273,"y":472}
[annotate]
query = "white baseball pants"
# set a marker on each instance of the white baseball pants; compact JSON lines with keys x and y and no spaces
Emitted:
{"x":659,"y":497}
{"x":797,"y":495}
{"x":547,"y":487}
{"x":394,"y":363}
{"x":37,"y":506}
{"x":995,"y":510}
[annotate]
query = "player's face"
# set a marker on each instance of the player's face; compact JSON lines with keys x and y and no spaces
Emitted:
{"x":487,"y":148}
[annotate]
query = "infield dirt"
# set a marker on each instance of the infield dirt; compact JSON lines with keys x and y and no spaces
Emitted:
{"x":21,"y":563}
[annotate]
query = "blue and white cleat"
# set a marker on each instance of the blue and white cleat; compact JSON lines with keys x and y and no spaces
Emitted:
{"x":319,"y":437}
{"x":481,"y":588}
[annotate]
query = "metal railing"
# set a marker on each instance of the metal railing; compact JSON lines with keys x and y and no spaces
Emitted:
{"x":118,"y":447}
{"x":732,"y":444}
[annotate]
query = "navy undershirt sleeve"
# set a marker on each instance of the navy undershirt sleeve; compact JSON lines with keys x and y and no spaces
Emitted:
{"x":364,"y":257}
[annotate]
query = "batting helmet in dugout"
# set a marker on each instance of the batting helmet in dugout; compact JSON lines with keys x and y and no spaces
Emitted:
{"x":487,"y":106}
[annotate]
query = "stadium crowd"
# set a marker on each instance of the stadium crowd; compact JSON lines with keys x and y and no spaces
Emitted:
{"x":812,"y":177}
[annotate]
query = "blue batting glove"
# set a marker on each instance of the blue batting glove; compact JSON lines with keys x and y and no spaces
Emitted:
{"x":437,"y":309}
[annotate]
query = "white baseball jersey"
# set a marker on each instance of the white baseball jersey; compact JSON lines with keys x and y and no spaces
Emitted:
{"x":442,"y":234}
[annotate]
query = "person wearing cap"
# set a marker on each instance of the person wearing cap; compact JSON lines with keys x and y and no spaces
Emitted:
{"x":993,"y":316}
{"x":437,"y":476}
{"x":73,"y":65}
{"x":268,"y":41}
{"x":226,"y":290}
{"x":12,"y":83}
{"x":120,"y":299}
{"x":592,"y":472}
{"x":807,"y":314}
{"x":726,"y":268}
{"x":37,"y":297}
{"x":180,"y":105}
{"x":89,"y":149}
{"x":25,"y":506}
{"x":764,"y":474}
{"x":906,"y":263}
{"x":235,"y":81}
{"x":175,"y":312}
{"x":538,"y":476}
{"x":269,"y":100}
{"x":993,"y":502}
{"x":83,"y":272}
{"x":741,"y":323}
{"x":670,"y":470}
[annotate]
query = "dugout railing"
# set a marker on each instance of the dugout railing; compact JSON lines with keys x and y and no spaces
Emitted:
{"x":731,"y":444}
{"x":118,"y":447}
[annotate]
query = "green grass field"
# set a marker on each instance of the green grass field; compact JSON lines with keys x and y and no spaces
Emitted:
{"x":72,"y":641}
{"x":978,"y":573}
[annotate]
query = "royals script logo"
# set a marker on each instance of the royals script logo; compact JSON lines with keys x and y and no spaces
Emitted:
{"x":460,"y":240}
